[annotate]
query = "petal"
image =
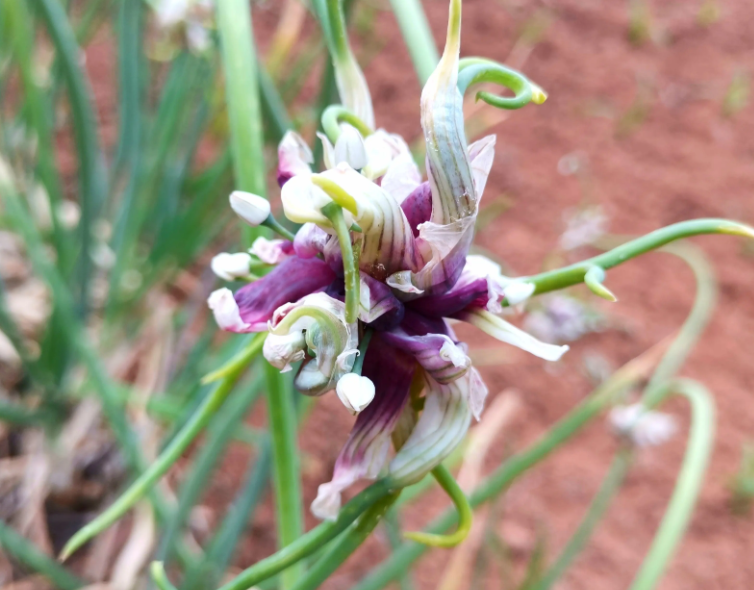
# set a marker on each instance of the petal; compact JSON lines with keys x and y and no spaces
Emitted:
{"x":480,"y":286}
{"x":365,"y":452}
{"x":227,"y":314}
{"x":353,"y":89}
{"x":505,"y":332}
{"x":481,"y":156}
{"x":378,"y":304}
{"x":271,"y":251}
{"x":442,"y":426}
{"x":257,"y":301}
{"x":448,"y":245}
{"x":328,"y":151}
{"x":417,"y":206}
{"x":388,"y":241}
{"x":294,"y":157}
{"x":430,"y":343}
{"x":310,"y":241}
{"x":402,"y":178}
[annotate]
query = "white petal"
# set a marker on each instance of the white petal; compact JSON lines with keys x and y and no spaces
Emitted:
{"x":481,"y":155}
{"x":382,"y":148}
{"x":225,"y":310}
{"x":328,"y":151}
{"x":252,"y":208}
{"x":450,"y":352}
{"x":230,"y":267}
{"x":401,"y":177}
{"x":505,"y":332}
{"x":356,"y":392}
{"x":281,"y":351}
{"x":401,"y":281}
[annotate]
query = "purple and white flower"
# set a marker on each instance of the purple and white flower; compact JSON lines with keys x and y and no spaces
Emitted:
{"x":417,"y":387}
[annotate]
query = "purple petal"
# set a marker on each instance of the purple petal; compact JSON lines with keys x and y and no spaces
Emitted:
{"x":310,"y":241}
{"x":431,"y":343}
{"x":418,"y":206}
{"x":379,"y":307}
{"x":288,"y":282}
{"x":365,"y":452}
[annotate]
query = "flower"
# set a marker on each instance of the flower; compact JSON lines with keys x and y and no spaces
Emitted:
{"x":416,"y":388}
{"x":642,"y":427}
{"x":561,"y":318}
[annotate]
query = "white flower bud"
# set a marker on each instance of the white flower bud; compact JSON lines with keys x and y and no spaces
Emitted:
{"x":281,"y":351}
{"x":230,"y":267}
{"x":642,"y":427}
{"x":518,"y":292}
{"x":356,"y":392}
{"x":350,"y":148}
{"x":252,"y":208}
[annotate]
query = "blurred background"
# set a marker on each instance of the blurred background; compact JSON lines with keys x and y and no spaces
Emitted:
{"x":648,"y":122}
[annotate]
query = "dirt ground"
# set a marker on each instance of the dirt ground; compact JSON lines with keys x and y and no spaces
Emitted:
{"x":647,"y":121}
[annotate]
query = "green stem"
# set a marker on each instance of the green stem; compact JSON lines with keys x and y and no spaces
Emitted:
{"x":169,"y":456}
{"x":281,"y":415}
{"x":575,"y":273}
{"x":205,"y":573}
{"x":346,"y":544}
{"x":160,"y":578}
{"x":337,"y":30}
{"x":417,"y":36}
{"x":27,"y":554}
{"x":465,"y":514}
{"x":311,"y":541}
{"x":687,"y":487}
{"x":474,"y":70}
{"x":227,"y":423}
{"x":92,"y":174}
{"x":696,"y":322}
{"x":602,"y":499}
{"x":334,"y":213}
{"x":242,"y":96}
{"x":363,"y":347}
{"x":336,"y":114}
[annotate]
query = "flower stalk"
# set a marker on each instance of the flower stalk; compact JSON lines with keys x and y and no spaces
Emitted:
{"x":350,"y":259}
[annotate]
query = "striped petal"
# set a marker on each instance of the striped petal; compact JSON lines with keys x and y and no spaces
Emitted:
{"x":365,"y":452}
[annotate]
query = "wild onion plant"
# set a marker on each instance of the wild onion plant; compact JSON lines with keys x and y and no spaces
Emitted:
{"x":352,"y":286}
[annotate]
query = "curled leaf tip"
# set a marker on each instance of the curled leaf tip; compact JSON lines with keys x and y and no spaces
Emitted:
{"x":594,"y":278}
{"x":737,"y":229}
{"x":538,"y":95}
{"x":465,"y":514}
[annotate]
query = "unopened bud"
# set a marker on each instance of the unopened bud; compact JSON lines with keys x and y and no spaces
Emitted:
{"x":356,"y":392}
{"x":350,"y":148}
{"x":252,"y":208}
{"x":518,"y":292}
{"x":230,"y":267}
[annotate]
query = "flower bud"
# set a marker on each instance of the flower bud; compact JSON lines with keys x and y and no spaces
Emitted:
{"x":283,"y":350}
{"x":252,"y":208}
{"x":226,"y":311}
{"x":518,"y":292}
{"x":356,"y":392}
{"x":230,"y":267}
{"x":350,"y":148}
